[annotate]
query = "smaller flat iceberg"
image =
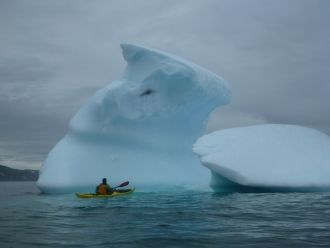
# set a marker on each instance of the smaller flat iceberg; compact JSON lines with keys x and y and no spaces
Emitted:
{"x":270,"y":157}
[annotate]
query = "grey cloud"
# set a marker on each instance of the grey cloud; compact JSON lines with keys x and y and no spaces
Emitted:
{"x":55,"y":54}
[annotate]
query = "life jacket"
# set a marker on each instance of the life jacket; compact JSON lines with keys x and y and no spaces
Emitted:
{"x":103,"y":189}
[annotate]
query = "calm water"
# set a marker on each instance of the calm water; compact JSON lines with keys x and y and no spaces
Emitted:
{"x":167,"y":219}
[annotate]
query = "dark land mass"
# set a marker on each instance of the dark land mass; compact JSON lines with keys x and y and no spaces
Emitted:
{"x":10,"y":174}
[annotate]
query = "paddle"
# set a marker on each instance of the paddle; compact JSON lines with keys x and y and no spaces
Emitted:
{"x":122,"y":185}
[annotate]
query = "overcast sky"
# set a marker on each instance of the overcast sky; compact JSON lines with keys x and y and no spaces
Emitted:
{"x":55,"y":54}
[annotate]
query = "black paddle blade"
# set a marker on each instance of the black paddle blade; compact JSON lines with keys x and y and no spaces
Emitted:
{"x":123,"y":184}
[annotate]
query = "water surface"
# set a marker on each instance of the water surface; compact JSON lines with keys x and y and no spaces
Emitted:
{"x":181,"y":218}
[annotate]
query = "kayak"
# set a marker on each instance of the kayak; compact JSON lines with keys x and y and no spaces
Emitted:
{"x":114,"y":194}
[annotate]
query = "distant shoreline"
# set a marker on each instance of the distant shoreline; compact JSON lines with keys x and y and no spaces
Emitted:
{"x":9,"y":174}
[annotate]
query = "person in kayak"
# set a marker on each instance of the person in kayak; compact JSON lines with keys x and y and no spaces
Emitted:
{"x":104,"y":188}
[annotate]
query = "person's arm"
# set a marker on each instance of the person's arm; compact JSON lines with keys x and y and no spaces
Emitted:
{"x":109,"y":189}
{"x":97,"y":189}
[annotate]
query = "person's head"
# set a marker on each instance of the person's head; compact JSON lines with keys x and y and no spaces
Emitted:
{"x":104,"y":181}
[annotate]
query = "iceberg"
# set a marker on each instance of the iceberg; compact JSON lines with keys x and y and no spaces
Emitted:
{"x":140,"y":127}
{"x":271,"y":157}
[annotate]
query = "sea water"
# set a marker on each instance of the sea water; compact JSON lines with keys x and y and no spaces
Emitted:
{"x":176,"y":218}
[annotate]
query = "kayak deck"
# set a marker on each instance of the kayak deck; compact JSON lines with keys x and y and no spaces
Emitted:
{"x":114,"y":194}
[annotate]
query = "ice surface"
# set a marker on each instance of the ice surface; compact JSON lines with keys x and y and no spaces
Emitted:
{"x":269,"y":157}
{"x":140,"y":127}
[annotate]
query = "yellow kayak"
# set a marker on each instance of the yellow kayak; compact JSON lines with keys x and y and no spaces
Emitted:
{"x":114,"y":194}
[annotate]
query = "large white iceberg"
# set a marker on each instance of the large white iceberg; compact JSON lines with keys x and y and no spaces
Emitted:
{"x":138,"y":128}
{"x":269,"y":157}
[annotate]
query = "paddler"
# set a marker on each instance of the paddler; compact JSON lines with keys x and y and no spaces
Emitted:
{"x":104,"y":188}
